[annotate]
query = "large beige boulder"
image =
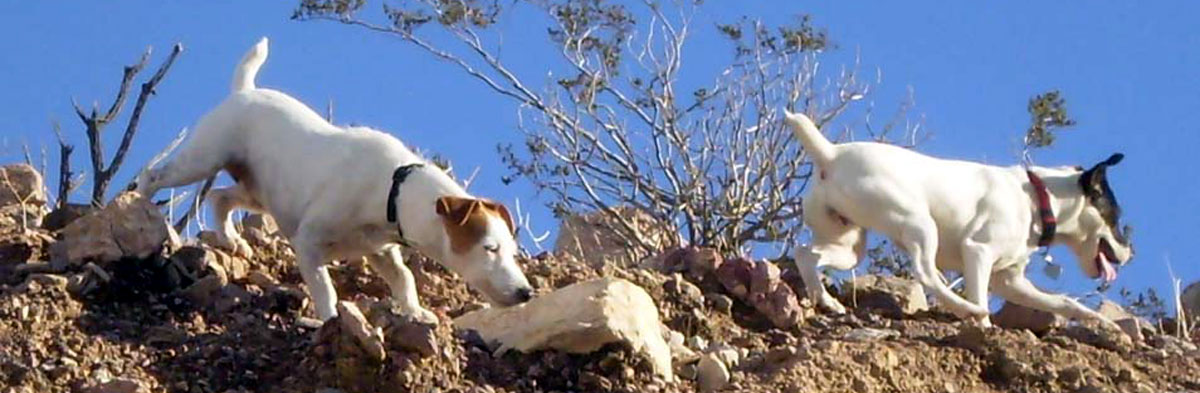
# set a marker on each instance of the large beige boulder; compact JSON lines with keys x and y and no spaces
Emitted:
{"x":22,"y":196}
{"x":579,"y":318}
{"x":593,"y":237}
{"x":130,"y":226}
{"x":1129,"y":323}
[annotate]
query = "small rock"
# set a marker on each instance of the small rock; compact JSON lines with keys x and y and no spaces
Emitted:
{"x":412,"y":336}
{"x":118,"y":385}
{"x":1172,"y":345}
{"x":870,"y":334}
{"x":688,"y":371}
{"x":60,"y":217}
{"x":261,"y":279}
{"x":205,"y":292}
{"x":712,"y":374}
{"x":1132,"y":327}
{"x":262,"y":222}
{"x":721,"y":303}
{"x":891,"y":296}
{"x":33,"y":267}
{"x":680,"y":353}
{"x":1097,"y":335}
{"x":579,"y":318}
{"x":778,"y":355}
{"x":759,"y":285}
{"x":734,"y":275}
{"x":696,"y":262}
{"x":728,"y":355}
{"x":353,"y":323}
{"x":971,"y":337}
{"x":50,"y":280}
{"x":1016,"y":316}
{"x":679,"y":288}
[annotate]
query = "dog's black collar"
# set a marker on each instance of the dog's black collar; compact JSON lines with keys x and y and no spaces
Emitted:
{"x":1045,"y":211}
{"x":398,"y":177}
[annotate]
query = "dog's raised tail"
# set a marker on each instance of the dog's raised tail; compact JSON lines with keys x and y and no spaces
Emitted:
{"x":243,"y":75}
{"x":815,"y":143}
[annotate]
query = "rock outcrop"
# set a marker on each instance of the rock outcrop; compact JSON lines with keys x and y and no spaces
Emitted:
{"x":579,"y":318}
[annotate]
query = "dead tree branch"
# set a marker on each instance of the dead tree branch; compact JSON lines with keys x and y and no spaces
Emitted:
{"x":64,"y":166}
{"x":95,"y":122}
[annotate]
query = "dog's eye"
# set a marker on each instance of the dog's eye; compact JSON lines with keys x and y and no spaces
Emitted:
{"x":491,"y":248}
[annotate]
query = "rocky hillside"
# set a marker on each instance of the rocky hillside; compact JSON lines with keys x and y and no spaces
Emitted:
{"x":112,"y":300}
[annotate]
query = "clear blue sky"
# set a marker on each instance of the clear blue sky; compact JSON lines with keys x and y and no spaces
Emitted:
{"x":1130,"y":72}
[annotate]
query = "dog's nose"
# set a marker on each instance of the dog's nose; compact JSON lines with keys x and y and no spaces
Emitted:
{"x":524,"y":294}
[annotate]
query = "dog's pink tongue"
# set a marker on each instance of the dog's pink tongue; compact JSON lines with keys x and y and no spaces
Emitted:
{"x":1107,"y":272}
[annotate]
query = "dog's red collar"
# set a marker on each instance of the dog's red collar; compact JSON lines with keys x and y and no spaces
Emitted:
{"x":1045,"y":211}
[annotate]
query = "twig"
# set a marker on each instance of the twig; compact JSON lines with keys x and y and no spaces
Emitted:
{"x":194,"y":209}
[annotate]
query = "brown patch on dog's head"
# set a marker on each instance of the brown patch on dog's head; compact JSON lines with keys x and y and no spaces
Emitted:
{"x":466,"y":220}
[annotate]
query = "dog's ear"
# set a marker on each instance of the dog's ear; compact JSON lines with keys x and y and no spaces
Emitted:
{"x":503,"y":211}
{"x":1095,"y":180}
{"x":456,"y":209}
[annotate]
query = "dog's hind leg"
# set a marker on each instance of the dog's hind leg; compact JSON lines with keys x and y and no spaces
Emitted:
{"x":225,"y":201}
{"x":837,"y":243}
{"x":1012,"y":285}
{"x":389,"y":263}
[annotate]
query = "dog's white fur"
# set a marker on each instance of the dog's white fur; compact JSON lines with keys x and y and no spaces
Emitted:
{"x":327,"y":187}
{"x":954,"y":215}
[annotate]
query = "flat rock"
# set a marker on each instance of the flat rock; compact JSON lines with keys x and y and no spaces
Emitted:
{"x":893,"y":296}
{"x":1016,"y":316}
{"x":130,"y":226}
{"x":580,"y":318}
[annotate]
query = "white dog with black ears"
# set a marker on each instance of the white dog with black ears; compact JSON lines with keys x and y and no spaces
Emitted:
{"x":341,"y":193}
{"x":982,"y":221}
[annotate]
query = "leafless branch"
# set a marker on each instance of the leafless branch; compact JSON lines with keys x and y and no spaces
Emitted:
{"x":95,"y":122}
{"x":612,"y":131}
{"x":64,"y":165}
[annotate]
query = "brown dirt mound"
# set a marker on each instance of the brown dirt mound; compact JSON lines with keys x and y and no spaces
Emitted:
{"x":253,"y":340}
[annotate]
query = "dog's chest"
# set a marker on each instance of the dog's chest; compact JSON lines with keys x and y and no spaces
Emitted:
{"x":360,"y":241}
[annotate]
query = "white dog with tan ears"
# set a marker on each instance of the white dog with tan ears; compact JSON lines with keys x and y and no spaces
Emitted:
{"x":341,"y":193}
{"x":982,"y":221}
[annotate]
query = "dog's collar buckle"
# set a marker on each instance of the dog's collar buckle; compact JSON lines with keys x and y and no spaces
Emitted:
{"x":1045,"y":211}
{"x":398,"y":177}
